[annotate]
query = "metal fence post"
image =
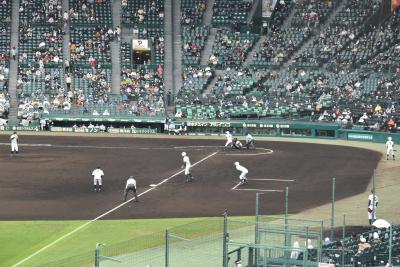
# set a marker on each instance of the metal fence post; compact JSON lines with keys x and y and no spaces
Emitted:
{"x":373,"y":198}
{"x":167,"y":248}
{"x":344,"y":227}
{"x":97,"y":256}
{"x":343,"y":236}
{"x":257,"y":237}
{"x":287,"y":240}
{"x":390,"y":244}
{"x":286,"y":204}
{"x":225,"y":240}
{"x":333,"y":207}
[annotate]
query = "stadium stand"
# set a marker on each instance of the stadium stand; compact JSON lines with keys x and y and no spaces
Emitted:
{"x":148,"y":20}
{"x":227,"y":13}
{"x":40,"y":57}
{"x":231,"y":48}
{"x":333,"y":39}
{"x":40,"y":13}
{"x":90,"y":13}
{"x":369,"y":248}
{"x":324,"y":61}
{"x":5,"y":38}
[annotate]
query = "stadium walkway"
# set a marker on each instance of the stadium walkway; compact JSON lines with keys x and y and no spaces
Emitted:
{"x":14,"y":63}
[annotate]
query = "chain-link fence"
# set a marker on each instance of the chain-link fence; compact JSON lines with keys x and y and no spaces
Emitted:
{"x":146,"y":250}
{"x":195,"y":244}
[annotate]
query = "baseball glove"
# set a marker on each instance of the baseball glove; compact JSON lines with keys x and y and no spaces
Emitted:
{"x":369,"y":210}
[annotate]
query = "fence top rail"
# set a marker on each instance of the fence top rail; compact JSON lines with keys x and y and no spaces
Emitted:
{"x":272,"y":217}
{"x":263,"y":246}
{"x":296,"y":233}
{"x":276,"y":226}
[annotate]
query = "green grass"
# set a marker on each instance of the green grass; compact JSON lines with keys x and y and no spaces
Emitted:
{"x":20,"y":239}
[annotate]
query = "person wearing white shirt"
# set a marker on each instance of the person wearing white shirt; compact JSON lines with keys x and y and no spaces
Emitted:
{"x":97,"y":179}
{"x":243,"y":172}
{"x":390,"y":148}
{"x":131,"y":186}
{"x":187,"y":166}
{"x":372,"y":205}
{"x":14,"y":143}
{"x":228,"y":137}
{"x":249,"y":141}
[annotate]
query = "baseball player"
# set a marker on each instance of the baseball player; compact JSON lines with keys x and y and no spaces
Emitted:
{"x":228,"y":137}
{"x":243,"y":173}
{"x":249,"y":141}
{"x":236,"y":144}
{"x":187,"y":166}
{"x":372,"y":205}
{"x":14,"y":143}
{"x":389,"y":148}
{"x":131,"y":186}
{"x":97,"y":179}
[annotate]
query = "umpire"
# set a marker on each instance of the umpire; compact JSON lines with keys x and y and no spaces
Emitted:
{"x":131,"y":186}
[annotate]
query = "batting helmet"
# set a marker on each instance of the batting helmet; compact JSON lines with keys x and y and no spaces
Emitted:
{"x":183,"y":154}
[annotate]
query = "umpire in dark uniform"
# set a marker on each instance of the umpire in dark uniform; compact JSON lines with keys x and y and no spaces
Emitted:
{"x":131,"y":186}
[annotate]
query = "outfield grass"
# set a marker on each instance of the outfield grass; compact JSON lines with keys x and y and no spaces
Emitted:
{"x":22,"y":238}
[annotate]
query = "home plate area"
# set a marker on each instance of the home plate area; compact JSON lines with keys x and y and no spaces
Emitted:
{"x":263,"y":185}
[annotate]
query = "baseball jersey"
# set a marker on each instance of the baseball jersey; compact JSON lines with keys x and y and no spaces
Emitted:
{"x":130,"y":182}
{"x":97,"y":173}
{"x":371,"y":200}
{"x":249,"y":138}
{"x":390,"y":144}
{"x":14,"y":138}
{"x":241,"y":168}
{"x":186,"y":161}
{"x":228,"y":137}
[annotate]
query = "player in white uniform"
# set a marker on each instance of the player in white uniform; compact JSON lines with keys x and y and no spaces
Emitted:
{"x":389,"y":148}
{"x":249,"y":141}
{"x":228,"y":137}
{"x":131,"y":186}
{"x":372,"y":205}
{"x":187,"y":166}
{"x":243,"y":173}
{"x":97,"y":179}
{"x":14,"y":143}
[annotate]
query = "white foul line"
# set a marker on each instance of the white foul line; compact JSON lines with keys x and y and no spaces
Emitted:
{"x":261,"y":190}
{"x":46,"y":145}
{"x":276,"y":180}
{"x":108,"y":212}
{"x":233,"y":188}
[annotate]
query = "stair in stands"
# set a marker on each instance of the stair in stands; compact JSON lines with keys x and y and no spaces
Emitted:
{"x":207,"y":17}
{"x":256,"y":48}
{"x":177,"y":44}
{"x":67,"y":36}
{"x":116,"y":51}
{"x":250,"y":15}
{"x":14,"y":63}
{"x":205,"y":55}
{"x":168,"y":51}
{"x":207,"y":21}
{"x":211,"y":85}
{"x":326,"y":24}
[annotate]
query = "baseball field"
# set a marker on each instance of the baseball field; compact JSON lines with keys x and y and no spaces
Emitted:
{"x":49,"y":210}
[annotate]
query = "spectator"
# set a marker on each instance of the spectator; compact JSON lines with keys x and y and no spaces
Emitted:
{"x":362,"y":245}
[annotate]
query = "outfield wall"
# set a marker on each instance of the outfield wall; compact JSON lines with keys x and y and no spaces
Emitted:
{"x":264,"y":128}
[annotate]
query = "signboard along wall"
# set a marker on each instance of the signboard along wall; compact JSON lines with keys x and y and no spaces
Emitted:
{"x":141,"y":52}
